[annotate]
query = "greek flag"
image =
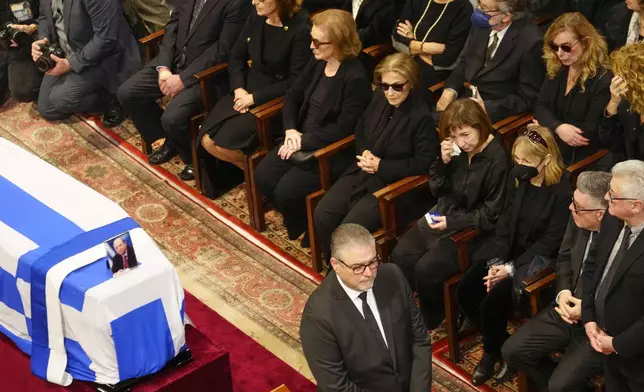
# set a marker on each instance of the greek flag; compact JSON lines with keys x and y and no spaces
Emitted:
{"x":59,"y":302}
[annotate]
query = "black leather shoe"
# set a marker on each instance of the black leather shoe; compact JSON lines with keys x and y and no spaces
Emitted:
{"x":188,"y":173}
{"x":504,"y":373}
{"x":164,"y":154}
{"x":484,"y":370}
{"x":113,"y":115}
{"x":465,"y":326}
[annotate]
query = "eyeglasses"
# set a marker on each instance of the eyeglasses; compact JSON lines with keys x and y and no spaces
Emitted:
{"x":398,"y":87}
{"x":317,"y":43}
{"x":358,"y":269}
{"x":488,"y":11}
{"x":612,"y":198}
{"x":535,"y":137}
{"x":577,"y":210}
{"x":566,"y":48}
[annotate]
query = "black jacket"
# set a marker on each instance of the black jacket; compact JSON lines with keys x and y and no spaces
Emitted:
{"x":510,"y":83}
{"x":268,"y":81}
{"x":571,"y":257}
{"x":348,"y":95}
{"x":374,"y":21}
{"x":616,"y":30}
{"x":623,"y":133}
{"x":545,"y":219}
{"x":117,"y":260}
{"x":582,"y":109}
{"x":472,"y":195}
{"x":624,"y":306}
{"x":207,"y":44}
{"x":342,"y":351}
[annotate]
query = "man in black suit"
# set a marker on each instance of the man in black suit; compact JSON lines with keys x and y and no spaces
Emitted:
{"x":361,"y":329}
{"x":200,"y":35}
{"x":125,"y":257}
{"x":100,"y":54}
{"x":502,"y":59}
{"x":557,"y":327}
{"x":375,"y":19}
{"x":613,"y":305}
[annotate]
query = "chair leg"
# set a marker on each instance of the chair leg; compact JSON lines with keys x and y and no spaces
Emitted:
{"x":524,"y":383}
{"x":195,"y":124}
{"x":451,"y":318}
{"x":254,"y":198}
{"x":312,"y":201}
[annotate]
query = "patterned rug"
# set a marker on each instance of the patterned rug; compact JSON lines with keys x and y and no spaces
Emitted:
{"x":216,"y":261}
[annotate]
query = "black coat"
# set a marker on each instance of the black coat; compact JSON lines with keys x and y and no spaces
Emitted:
{"x":624,"y":306}
{"x":623,"y":133}
{"x":117,"y":260}
{"x":510,"y":83}
{"x":546,"y":217}
{"x":583,"y":109}
{"x":571,"y":257}
{"x":375,"y":20}
{"x":208,"y":43}
{"x":348,"y":95}
{"x":341,"y":349}
{"x":616,"y":30}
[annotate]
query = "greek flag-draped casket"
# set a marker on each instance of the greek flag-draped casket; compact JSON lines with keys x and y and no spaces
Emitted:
{"x":59,"y":301}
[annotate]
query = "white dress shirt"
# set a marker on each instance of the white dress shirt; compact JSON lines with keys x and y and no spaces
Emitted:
{"x":355,"y":7}
{"x":371,"y":301}
{"x":499,"y":34}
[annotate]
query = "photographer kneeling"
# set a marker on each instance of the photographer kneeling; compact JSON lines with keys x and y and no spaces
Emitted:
{"x":86,"y":50}
{"x":18,"y":74}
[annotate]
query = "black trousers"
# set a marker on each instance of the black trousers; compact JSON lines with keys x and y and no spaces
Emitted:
{"x":489,"y":311}
{"x":138,"y":96}
{"x":529,"y":350}
{"x":427,"y":258}
{"x":19,"y":75}
{"x":287,"y":185}
{"x":624,"y":374}
{"x":338,"y":207}
{"x":70,"y":93}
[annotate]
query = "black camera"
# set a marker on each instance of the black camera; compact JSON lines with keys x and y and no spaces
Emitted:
{"x":8,"y":34}
{"x":44,"y":62}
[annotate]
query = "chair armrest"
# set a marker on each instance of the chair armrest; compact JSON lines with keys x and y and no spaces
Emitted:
{"x":386,"y":199}
{"x":263,"y":114}
{"x":203,"y":77}
{"x":462,"y":241}
{"x":148,"y":39}
{"x":509,"y":127}
{"x":437,"y":87}
{"x":576,"y":168}
{"x":323,"y":155}
{"x":466,"y":235}
{"x":210,"y":72}
{"x":534,"y":286}
{"x":378,"y":52}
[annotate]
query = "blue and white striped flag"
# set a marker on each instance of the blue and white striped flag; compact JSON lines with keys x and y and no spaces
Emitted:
{"x":58,"y":300}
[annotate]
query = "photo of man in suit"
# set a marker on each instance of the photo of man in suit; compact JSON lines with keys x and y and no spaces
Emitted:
{"x":558,"y":327}
{"x":361,"y":328}
{"x":613,"y":280}
{"x":125,"y":257}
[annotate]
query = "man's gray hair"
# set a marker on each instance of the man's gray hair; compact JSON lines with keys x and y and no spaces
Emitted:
{"x":632,"y":174}
{"x":517,"y":8}
{"x":595,"y":184}
{"x":350,"y":235}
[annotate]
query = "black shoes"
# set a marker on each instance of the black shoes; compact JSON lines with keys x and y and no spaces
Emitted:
{"x":188,"y":173}
{"x":113,"y":115}
{"x":485,"y":369}
{"x":162,"y":155}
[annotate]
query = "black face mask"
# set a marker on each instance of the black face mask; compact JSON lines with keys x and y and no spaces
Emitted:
{"x":523,"y":172}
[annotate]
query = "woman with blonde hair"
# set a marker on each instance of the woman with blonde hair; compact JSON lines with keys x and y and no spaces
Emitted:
{"x":395,"y":138}
{"x":527,"y":239}
{"x":576,"y":88}
{"x":622,"y":125}
{"x":322,"y":107}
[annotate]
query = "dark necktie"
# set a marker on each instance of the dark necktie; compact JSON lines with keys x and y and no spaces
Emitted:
{"x":195,"y":12}
{"x":579,"y":286}
{"x":371,"y":319}
{"x":605,"y":283}
{"x":492,"y":47}
{"x":125,"y":263}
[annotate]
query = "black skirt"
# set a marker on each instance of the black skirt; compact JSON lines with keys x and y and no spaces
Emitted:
{"x":230,"y":129}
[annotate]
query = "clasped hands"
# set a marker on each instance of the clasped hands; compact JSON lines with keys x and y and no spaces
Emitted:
{"x":495,"y":274}
{"x":62,"y":65}
{"x":292,"y":143}
{"x":243,"y":100}
{"x":169,"y":83}
{"x":368,"y":162}
{"x":568,"y":307}
{"x":599,"y":339}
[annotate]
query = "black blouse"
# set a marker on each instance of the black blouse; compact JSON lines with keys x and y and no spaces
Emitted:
{"x":313,"y":117}
{"x":623,"y":133}
{"x":472,"y":194}
{"x":451,"y":30}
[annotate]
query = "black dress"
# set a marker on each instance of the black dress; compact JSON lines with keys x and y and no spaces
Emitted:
{"x":451,"y":30}
{"x":582,"y":109}
{"x":278,"y":56}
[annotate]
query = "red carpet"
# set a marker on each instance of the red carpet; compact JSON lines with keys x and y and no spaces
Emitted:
{"x":254,"y":369}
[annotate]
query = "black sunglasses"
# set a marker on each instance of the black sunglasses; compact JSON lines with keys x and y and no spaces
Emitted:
{"x":359,"y":268}
{"x":317,"y":43}
{"x":578,"y":210}
{"x":534,"y":137}
{"x":566,"y":48}
{"x":398,"y":87}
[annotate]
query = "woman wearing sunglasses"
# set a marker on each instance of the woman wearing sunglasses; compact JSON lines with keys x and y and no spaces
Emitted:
{"x":395,"y":138}
{"x":622,"y":126}
{"x":527,"y":239}
{"x":322,"y":107}
{"x":434,"y":32}
{"x":576,"y":88}
{"x":469,"y":182}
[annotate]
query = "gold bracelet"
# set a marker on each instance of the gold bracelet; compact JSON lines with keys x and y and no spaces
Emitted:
{"x":421,"y":47}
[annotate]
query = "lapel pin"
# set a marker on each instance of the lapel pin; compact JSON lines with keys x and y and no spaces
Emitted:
{"x":248,"y":39}
{"x":285,"y":28}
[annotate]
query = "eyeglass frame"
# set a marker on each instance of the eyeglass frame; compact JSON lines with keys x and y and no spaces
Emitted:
{"x":317,"y":43}
{"x":397,"y":87}
{"x":578,"y":210}
{"x":611,"y":199}
{"x":488,"y":11}
{"x":552,"y":46}
{"x":376,"y":260}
